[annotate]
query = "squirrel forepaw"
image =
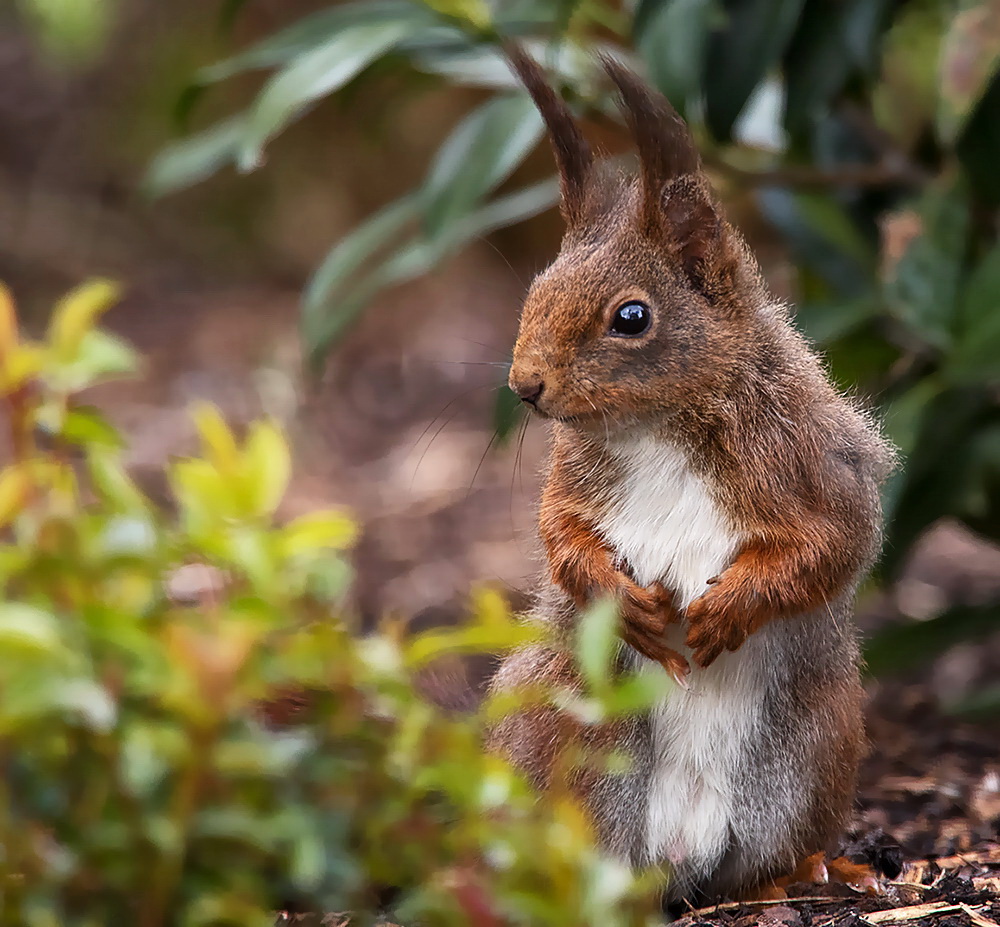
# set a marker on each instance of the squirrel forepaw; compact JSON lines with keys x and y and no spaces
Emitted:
{"x":713,"y":629}
{"x":645,"y":612}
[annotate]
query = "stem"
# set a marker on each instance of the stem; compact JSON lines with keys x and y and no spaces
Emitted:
{"x":801,"y":175}
{"x":157,"y":908}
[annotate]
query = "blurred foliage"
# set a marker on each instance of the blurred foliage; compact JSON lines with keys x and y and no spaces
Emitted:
{"x":72,"y":32}
{"x":144,"y":657}
{"x":865,"y":131}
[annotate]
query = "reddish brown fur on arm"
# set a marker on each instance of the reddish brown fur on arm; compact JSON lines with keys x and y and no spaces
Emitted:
{"x":783,"y":573}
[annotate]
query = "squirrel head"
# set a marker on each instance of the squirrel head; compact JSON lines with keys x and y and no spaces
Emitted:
{"x":649,"y":301}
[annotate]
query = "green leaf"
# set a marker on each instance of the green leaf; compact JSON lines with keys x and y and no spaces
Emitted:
{"x":76,"y":314}
{"x":268,"y":465}
{"x":823,"y":236}
{"x":833,"y":39}
{"x":978,"y":144}
{"x":100,"y":357}
{"x":637,"y":692}
{"x":508,"y":210}
{"x":86,"y":426}
{"x":311,"y":31}
{"x":975,"y":356}
{"x":924,"y":287}
{"x":317,"y":531}
{"x":25,"y":630}
{"x":970,"y":58}
{"x":474,"y":13}
{"x":481,"y":153}
{"x":828,"y":321}
{"x":508,"y":413}
{"x":87,"y":699}
{"x":932,"y":483}
{"x":672,"y":39}
{"x":314,"y":74}
{"x":983,"y":704}
{"x":328,"y":320}
{"x":903,"y":419}
{"x":741,"y":54}
{"x":203,"y":497}
{"x":115,"y":487}
{"x":71,"y":31}
{"x":328,"y":311}
{"x":597,"y":643}
{"x":195,"y":158}
{"x":344,"y":259}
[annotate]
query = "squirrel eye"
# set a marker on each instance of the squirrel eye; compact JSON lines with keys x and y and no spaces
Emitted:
{"x":630,"y":320}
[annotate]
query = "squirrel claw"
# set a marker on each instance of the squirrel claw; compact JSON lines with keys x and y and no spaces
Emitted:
{"x":678,"y":675}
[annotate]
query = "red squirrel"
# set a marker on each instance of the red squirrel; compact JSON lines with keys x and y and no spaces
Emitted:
{"x":706,"y":474}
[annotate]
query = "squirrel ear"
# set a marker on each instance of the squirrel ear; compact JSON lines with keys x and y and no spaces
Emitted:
{"x":573,"y":155}
{"x":666,"y":150}
{"x":691,"y":226}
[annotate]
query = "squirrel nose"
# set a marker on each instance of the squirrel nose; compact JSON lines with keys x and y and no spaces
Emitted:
{"x":530,"y":390}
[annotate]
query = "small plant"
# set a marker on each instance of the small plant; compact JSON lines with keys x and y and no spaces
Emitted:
{"x":142,"y":654}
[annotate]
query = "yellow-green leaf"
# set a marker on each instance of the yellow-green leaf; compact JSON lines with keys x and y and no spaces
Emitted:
{"x":8,"y":322}
{"x":25,"y":629}
{"x":77,"y":313}
{"x":268,"y":466}
{"x":15,"y":487}
{"x":597,"y":642}
{"x":317,"y":530}
{"x":216,"y":438}
{"x":202,"y":493}
{"x":20,"y":364}
{"x":475,"y":12}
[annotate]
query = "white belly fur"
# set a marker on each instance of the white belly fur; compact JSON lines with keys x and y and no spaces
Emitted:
{"x":667,"y":526}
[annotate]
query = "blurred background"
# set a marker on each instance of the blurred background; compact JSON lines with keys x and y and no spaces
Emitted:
{"x":330,"y":212}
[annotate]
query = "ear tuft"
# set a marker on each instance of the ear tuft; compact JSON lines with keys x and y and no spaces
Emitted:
{"x":666,"y":149}
{"x":573,"y":154}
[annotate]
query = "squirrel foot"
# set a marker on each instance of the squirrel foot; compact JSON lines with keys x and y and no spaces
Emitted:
{"x":817,"y":869}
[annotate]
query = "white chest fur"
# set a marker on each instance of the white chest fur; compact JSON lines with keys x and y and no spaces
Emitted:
{"x":666,"y":525}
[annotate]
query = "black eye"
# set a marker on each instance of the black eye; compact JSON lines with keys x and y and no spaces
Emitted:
{"x":630,"y":320}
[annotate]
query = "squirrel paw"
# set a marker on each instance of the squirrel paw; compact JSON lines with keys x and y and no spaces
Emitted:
{"x":714,"y":625}
{"x":645,"y":614}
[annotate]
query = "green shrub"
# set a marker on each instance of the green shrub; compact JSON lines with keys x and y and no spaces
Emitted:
{"x":142,"y":652}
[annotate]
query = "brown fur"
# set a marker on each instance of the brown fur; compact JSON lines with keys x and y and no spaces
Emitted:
{"x":722,"y":374}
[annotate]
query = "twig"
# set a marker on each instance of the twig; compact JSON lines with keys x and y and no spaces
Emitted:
{"x":736,"y":905}
{"x":980,"y":920}
{"x":802,"y":175}
{"x":912,"y":912}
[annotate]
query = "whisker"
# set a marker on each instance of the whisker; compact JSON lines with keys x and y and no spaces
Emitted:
{"x":519,"y":459}
{"x":433,"y":421}
{"x":482,"y":460}
{"x":504,"y":258}
{"x":516,"y":471}
{"x":489,"y":347}
{"x":504,"y":366}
